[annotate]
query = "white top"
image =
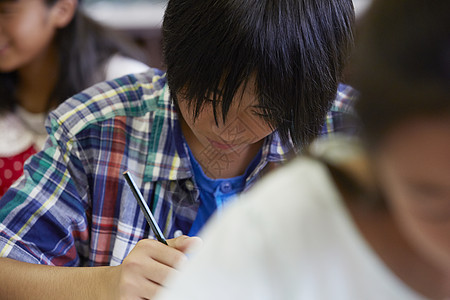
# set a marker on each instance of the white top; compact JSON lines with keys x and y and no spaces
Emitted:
{"x":22,"y":129}
{"x":16,"y":135}
{"x":290,"y":237}
{"x":120,"y":65}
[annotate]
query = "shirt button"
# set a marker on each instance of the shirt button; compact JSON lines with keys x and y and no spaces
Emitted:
{"x":177,"y":233}
{"x":189,"y":185}
{"x":226,"y":187}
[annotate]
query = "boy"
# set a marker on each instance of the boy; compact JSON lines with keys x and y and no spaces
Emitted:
{"x":250,"y":81}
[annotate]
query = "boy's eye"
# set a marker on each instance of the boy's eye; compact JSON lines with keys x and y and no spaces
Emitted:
{"x":265,"y":117}
{"x":261,"y":113}
{"x":210,"y":101}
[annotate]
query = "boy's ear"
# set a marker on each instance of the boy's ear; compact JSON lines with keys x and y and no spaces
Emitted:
{"x":63,"y":12}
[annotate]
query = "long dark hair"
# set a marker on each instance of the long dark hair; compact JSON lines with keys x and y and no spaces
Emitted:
{"x":296,"y":49}
{"x":84,"y":46}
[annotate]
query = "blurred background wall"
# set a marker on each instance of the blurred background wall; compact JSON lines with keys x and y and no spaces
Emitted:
{"x":141,"y":20}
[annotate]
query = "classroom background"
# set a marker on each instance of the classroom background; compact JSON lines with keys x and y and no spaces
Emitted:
{"x":141,"y":20}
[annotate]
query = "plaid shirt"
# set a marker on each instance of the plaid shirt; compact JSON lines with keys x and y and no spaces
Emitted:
{"x":72,"y":207}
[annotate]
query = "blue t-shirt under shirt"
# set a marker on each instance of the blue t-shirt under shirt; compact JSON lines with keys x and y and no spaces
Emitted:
{"x":214,"y":193}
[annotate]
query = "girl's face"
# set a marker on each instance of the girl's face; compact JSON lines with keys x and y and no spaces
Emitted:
{"x":244,"y":125}
{"x":414,"y":172}
{"x":27,"y":28}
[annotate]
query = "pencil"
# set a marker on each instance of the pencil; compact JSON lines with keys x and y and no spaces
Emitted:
{"x":144,"y":207}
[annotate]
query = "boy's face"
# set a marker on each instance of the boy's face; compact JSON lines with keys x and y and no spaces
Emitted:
{"x":244,"y":126}
{"x":414,"y":172}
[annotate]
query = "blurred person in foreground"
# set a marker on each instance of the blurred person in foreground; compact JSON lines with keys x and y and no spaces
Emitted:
{"x":375,"y":227}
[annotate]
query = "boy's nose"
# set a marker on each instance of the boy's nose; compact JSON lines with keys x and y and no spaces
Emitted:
{"x":218,"y":128}
{"x":229,"y":131}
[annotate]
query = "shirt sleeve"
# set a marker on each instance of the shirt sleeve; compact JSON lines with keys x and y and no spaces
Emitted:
{"x":342,"y":118}
{"x":43,"y":215}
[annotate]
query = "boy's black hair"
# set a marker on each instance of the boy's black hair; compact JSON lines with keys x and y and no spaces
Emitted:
{"x":402,"y":65}
{"x":295,"y":49}
{"x":84,"y":46}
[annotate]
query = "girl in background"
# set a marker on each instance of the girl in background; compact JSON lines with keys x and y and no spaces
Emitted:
{"x":49,"y":51}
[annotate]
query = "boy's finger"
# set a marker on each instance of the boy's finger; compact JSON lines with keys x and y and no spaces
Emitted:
{"x":161,"y":253}
{"x":184,"y":243}
{"x":158,"y":272}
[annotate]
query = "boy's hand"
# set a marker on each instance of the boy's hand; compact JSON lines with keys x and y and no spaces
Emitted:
{"x":146,"y":268}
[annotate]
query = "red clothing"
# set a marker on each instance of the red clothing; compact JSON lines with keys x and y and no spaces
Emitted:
{"x":21,"y":136}
{"x":11,"y":168}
